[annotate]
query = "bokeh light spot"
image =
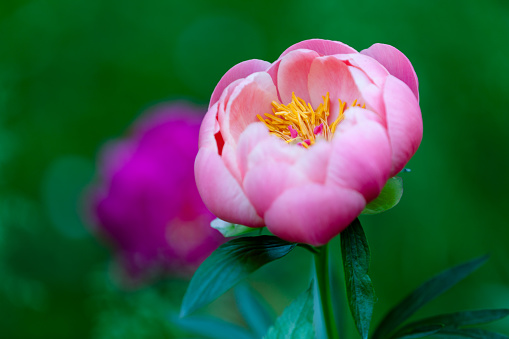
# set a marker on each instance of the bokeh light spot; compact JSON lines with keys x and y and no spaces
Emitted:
{"x":62,"y":189}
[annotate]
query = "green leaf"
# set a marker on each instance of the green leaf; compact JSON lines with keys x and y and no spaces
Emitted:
{"x":459,"y":319}
{"x":296,"y":322}
{"x":255,"y":311}
{"x":460,"y":333}
{"x":360,"y":292}
{"x":388,"y":198}
{"x":419,"y":332}
{"x":210,"y":327}
{"x":425,"y":293}
{"x":228,"y":229}
{"x":230,"y":264}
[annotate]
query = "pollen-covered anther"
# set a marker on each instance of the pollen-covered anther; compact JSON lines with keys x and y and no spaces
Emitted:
{"x":298,"y":123}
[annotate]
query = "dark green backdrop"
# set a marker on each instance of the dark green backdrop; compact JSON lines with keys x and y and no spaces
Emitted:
{"x":74,"y":74}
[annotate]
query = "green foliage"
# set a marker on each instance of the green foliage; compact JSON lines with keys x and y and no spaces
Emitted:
{"x":456,"y":320}
{"x":210,"y":327}
{"x":230,"y":264}
{"x":359,"y":289}
{"x":136,"y":314}
{"x":471,"y":333}
{"x":423,"y":294}
{"x":296,"y":322}
{"x":255,"y":311}
{"x":419,"y":332}
{"x":389,"y":197}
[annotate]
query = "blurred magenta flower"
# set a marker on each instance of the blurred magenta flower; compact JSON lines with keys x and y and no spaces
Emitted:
{"x":302,"y":144}
{"x":147,"y":205}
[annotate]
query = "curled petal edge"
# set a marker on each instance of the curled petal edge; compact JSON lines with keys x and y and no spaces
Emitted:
{"x":322,"y":47}
{"x":238,"y":71}
{"x":396,"y":63}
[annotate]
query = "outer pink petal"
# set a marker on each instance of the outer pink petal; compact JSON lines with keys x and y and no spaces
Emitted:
{"x":361,"y":155}
{"x":329,"y":74}
{"x":229,"y":156}
{"x":211,"y":123}
{"x":265,"y":182}
{"x":238,"y":71}
{"x":404,"y":122}
{"x":221,"y":193}
{"x":292,"y":75}
{"x":372,"y":68}
{"x":250,"y":97}
{"x":209,"y":127}
{"x":272,"y":71}
{"x":396,"y":63}
{"x":313,"y":214}
{"x":224,"y":100}
{"x":323,"y":47}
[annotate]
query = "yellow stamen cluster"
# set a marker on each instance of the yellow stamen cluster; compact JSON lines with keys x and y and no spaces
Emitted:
{"x":305,"y":121}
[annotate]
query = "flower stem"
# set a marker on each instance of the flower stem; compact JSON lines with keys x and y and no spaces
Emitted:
{"x":323,"y":281}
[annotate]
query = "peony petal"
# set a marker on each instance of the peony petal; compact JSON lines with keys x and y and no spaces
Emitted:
{"x":292,"y":75}
{"x":272,"y":71}
{"x":229,"y":156}
{"x":208,"y":129}
{"x":372,"y":68}
{"x":356,"y":115}
{"x":211,"y":132}
{"x":238,"y":71}
{"x":221,"y":193}
{"x":268,"y":163}
{"x":329,"y":74}
{"x":313,"y":214}
{"x":224,"y":100}
{"x":273,"y":149}
{"x":252,"y":96}
{"x":361,"y":155}
{"x":371,"y":94}
{"x":249,"y":139}
{"x":323,"y":47}
{"x":396,"y":63}
{"x":265,"y":182}
{"x":404,"y":122}
{"x":315,"y":160}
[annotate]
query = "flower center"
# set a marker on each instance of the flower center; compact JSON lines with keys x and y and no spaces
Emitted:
{"x":299,"y":123}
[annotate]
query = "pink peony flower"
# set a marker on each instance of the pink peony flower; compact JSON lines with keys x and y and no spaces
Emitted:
{"x":148,"y":206}
{"x":302,"y":144}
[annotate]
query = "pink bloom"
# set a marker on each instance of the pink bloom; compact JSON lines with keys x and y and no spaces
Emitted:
{"x":147,"y":205}
{"x":357,"y":122}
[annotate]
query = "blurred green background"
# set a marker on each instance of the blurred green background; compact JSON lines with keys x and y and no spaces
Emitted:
{"x":74,"y":74}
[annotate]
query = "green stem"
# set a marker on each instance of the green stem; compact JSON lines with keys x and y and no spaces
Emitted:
{"x":323,"y":281}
